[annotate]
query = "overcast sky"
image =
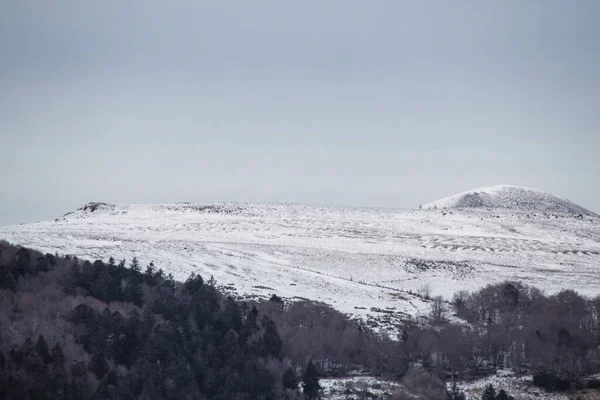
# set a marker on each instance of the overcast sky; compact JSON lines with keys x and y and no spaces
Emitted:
{"x":383,"y":103}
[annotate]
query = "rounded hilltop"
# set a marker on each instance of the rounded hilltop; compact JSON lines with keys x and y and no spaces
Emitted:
{"x":510,"y":198}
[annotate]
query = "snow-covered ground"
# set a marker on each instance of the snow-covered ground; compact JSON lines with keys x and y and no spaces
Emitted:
{"x":521,"y":388}
{"x":361,"y":387}
{"x":362,"y":261}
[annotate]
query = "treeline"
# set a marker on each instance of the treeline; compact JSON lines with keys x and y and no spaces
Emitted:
{"x":336,"y":344}
{"x":81,"y":330}
{"x":513,"y":326}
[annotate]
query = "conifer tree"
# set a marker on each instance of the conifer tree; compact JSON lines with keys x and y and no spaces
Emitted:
{"x":99,"y":366}
{"x":271,"y":340}
{"x":289,"y":379}
{"x":489,"y":393}
{"x":42,"y":349}
{"x":502,"y":395}
{"x":135,"y":265}
{"x":58,"y":358}
{"x":310,"y":382}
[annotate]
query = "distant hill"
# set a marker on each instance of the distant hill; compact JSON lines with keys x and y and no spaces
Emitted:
{"x":507,"y":197}
{"x":372,"y":263}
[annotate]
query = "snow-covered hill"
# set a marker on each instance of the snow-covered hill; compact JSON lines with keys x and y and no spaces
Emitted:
{"x":363,"y":261}
{"x":507,"y":197}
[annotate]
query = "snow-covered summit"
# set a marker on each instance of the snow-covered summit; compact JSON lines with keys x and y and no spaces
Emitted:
{"x":513,"y":198}
{"x":95,"y":210}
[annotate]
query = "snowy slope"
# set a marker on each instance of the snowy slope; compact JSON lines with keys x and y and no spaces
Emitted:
{"x":509,"y":197}
{"x":360,"y":260}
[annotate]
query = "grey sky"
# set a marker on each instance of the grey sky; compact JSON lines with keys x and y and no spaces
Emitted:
{"x":384,"y":103}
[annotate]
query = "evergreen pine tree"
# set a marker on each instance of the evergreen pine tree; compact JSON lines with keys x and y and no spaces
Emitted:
{"x":135,"y":265}
{"x":276,"y":299}
{"x":42,"y":264}
{"x":271,"y":340}
{"x":42,"y":349}
{"x":134,"y":293}
{"x":289,"y":379}
{"x":58,"y":358}
{"x":31,"y":360}
{"x":310,"y":382}
{"x":489,"y":393}
{"x":193,"y":283}
{"x":102,"y":284}
{"x":99,"y":366}
{"x":58,"y":374}
{"x":502,"y":395}
{"x":7,"y":281}
{"x":149,"y":274}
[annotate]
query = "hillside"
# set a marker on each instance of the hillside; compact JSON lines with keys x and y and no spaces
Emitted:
{"x":82,"y":330}
{"x":370,"y":262}
{"x":513,"y":198}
